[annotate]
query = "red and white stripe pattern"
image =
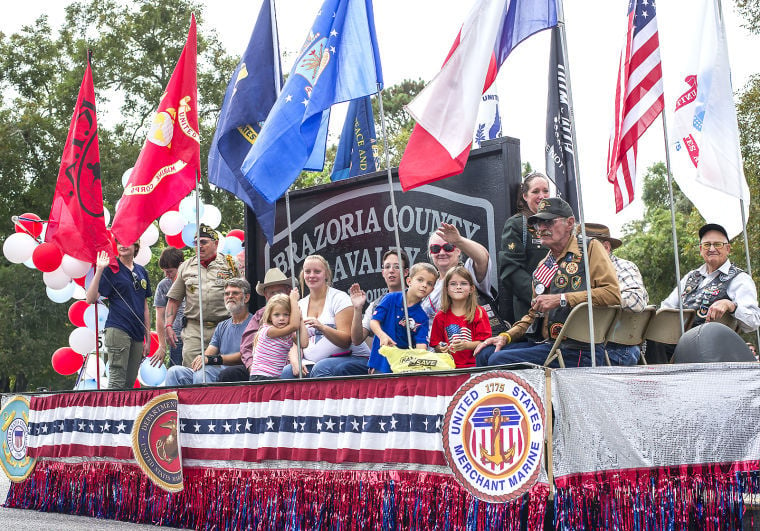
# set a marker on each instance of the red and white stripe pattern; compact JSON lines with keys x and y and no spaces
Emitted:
{"x":638,"y":98}
{"x":545,"y":272}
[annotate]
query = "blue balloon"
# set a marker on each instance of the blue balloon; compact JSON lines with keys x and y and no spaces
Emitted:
{"x":188,"y":234}
{"x":86,"y":385}
{"x":150,"y":375}
{"x":232,"y":246}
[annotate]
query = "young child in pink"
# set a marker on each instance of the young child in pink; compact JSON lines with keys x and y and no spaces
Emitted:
{"x":460,"y":326}
{"x":276,"y":336}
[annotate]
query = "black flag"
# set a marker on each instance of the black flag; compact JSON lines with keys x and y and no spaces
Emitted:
{"x":560,"y":152}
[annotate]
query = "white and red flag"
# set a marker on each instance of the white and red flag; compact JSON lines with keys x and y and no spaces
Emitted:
{"x":170,"y":161}
{"x":704,"y":137}
{"x":639,"y":98}
{"x":447,"y":108}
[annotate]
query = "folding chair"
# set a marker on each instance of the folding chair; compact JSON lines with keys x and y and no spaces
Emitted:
{"x":576,"y":328}
{"x":629,"y":328}
{"x":665,"y":326}
{"x":731,"y":322}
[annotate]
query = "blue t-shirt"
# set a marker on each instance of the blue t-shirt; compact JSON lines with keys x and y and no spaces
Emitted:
{"x":126,"y":291}
{"x":390,"y":314}
{"x":160,"y":300}
{"x":227,"y":336}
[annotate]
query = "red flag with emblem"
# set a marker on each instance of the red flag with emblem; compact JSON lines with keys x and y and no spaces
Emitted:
{"x":170,"y":161}
{"x":76,"y":223}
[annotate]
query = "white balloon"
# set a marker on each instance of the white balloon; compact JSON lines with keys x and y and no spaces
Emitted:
{"x":144,"y":256}
{"x":91,"y":366}
{"x":125,"y":176}
{"x":118,"y":205}
{"x":107,"y":216}
{"x":82,"y":340}
{"x":44,"y":232}
{"x":74,"y":267}
{"x":79,"y":293}
{"x":56,"y":279}
{"x":211,"y":216}
{"x":30,"y":263}
{"x":171,"y":223}
{"x":187,"y":208}
{"x":60,"y":295}
{"x":18,"y":247}
{"x":149,"y":237}
{"x":89,"y":316}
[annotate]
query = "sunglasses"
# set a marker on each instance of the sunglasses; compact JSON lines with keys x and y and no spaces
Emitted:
{"x":448,"y":247}
{"x":135,"y":281}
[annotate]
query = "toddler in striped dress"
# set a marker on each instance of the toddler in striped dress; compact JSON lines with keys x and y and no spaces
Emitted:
{"x":276,"y":336}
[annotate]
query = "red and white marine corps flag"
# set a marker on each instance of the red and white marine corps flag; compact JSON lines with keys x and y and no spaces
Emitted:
{"x":170,"y":161}
{"x":639,"y":98}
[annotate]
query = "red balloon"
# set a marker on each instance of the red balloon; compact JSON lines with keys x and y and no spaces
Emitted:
{"x":76,"y":313}
{"x":67,"y":361}
{"x":137,"y":384}
{"x":47,"y":257}
{"x":30,"y":224}
{"x":237,"y":233}
{"x":153,"y":343}
{"x":80,"y":281}
{"x":175,"y":240}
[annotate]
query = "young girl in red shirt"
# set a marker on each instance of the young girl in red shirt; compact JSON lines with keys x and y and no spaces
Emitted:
{"x":460,"y":326}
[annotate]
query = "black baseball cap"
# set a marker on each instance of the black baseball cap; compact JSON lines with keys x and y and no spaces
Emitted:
{"x":712,"y":226}
{"x":550,"y":208}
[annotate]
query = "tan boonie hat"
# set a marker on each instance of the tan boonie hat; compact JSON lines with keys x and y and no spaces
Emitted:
{"x":602,"y":232}
{"x":274,"y":277}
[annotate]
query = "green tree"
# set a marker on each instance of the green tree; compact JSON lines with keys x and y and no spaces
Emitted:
{"x":134,"y":48}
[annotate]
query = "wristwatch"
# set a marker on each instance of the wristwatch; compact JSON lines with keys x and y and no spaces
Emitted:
{"x":562,"y":300}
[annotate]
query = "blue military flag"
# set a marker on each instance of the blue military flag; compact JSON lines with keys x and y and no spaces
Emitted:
{"x":250,"y":95}
{"x":338,"y":62}
{"x":355,"y":154}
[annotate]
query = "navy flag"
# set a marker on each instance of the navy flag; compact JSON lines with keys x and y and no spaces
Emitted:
{"x":560,"y":152}
{"x":250,"y":95}
{"x":338,"y":62}
{"x":356,"y":151}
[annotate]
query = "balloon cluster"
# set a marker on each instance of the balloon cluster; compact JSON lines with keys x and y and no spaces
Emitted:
{"x":179,"y":226}
{"x":66,"y":277}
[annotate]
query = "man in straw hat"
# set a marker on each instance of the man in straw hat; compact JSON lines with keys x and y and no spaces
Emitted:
{"x":633,"y":294}
{"x":275,"y":282}
{"x":216,"y":270}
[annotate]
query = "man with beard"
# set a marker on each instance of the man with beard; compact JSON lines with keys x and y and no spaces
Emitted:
{"x":224,"y":347}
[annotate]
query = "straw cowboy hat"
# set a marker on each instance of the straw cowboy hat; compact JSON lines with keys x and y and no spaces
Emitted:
{"x":602,"y":232}
{"x":274,"y":277}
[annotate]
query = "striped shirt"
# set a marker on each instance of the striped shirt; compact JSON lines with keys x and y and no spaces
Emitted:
{"x":270,"y":354}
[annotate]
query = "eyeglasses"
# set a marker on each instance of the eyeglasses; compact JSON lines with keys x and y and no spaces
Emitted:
{"x":448,"y":247}
{"x":544,"y":223}
{"x":231,"y":294}
{"x":394,"y":267}
{"x":135,"y":281}
{"x":705,"y":246}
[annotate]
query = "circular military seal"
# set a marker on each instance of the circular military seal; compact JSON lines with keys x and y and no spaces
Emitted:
{"x":540,"y":288}
{"x":14,"y":433}
{"x":155,"y":442}
{"x":493,"y":436}
{"x":571,"y":268}
{"x":560,"y":280}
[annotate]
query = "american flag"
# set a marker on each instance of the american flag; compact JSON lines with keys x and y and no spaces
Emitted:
{"x":544,"y":273}
{"x":638,"y":98}
{"x":455,"y":332}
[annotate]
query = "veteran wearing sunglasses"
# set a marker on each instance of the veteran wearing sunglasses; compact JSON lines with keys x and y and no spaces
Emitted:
{"x":717,"y":286}
{"x":127,"y":328}
{"x":445,"y":248}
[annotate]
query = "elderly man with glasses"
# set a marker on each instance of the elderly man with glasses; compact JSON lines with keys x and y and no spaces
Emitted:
{"x":717,"y":286}
{"x":215,"y":271}
{"x":224,"y":347}
{"x":559,"y":283}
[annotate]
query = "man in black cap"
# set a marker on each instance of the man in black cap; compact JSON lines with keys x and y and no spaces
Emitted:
{"x":559,"y":283}
{"x":216,"y":270}
{"x":717,"y":287}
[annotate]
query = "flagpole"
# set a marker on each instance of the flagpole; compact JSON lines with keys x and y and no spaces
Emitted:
{"x":571,"y":111}
{"x":741,"y":199}
{"x":97,"y":346}
{"x":200,"y":275}
{"x":291,"y":260}
{"x":673,"y":219}
{"x":394,"y":211}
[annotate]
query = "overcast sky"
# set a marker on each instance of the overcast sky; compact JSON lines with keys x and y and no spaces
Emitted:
{"x":415,"y":35}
